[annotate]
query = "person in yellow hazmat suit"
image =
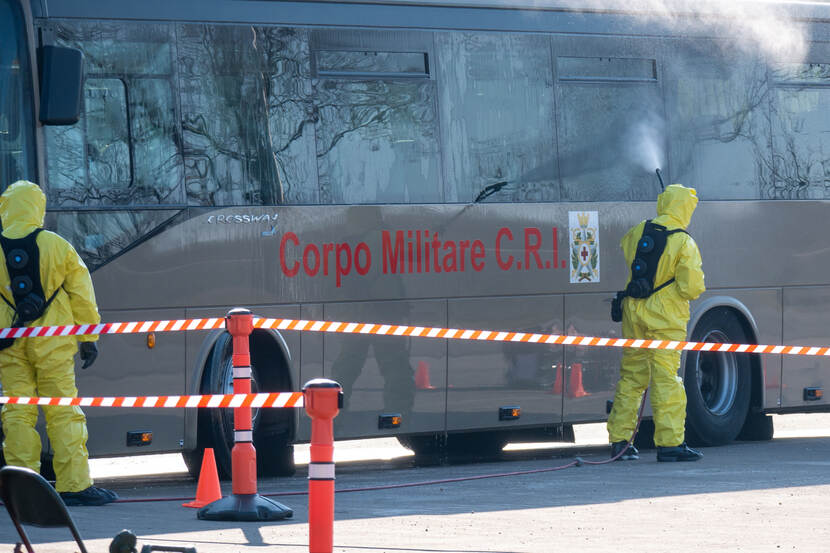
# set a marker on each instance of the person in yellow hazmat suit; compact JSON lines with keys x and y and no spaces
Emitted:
{"x":43,"y":282}
{"x":655,"y":305}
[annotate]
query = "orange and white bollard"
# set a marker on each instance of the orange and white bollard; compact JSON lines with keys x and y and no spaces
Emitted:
{"x":323,"y":399}
{"x":245,"y":504}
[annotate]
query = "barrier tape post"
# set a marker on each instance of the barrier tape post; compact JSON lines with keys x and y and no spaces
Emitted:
{"x":244,"y":504}
{"x":323,"y":399}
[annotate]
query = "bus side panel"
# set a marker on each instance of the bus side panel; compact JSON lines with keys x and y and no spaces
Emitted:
{"x":806,"y":323}
{"x":590,"y":372}
{"x":387,"y":374}
{"x":126,"y":366}
{"x":484,"y":376}
{"x":310,"y":362}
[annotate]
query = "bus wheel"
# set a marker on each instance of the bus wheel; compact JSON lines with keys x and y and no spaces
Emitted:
{"x":273,"y":428}
{"x":718,"y":384}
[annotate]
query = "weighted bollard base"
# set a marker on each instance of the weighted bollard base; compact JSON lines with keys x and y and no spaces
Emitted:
{"x":245,"y":508}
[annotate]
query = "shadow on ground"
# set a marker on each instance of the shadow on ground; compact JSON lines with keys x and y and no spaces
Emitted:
{"x":781,"y":463}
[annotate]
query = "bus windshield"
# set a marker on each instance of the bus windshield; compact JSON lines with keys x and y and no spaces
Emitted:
{"x":16,"y":124}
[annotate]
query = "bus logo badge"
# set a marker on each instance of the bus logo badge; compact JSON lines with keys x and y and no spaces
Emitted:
{"x":247,"y":219}
{"x":584,"y":234}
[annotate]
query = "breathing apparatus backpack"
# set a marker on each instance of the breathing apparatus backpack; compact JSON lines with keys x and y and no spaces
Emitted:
{"x":650,"y":248}
{"x":22,"y":258}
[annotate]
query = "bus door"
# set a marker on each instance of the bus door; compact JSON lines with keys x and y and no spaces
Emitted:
{"x":610,"y":128}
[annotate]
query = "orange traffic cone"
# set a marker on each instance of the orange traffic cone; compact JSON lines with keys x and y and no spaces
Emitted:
{"x":557,"y":384}
{"x":422,"y":376}
{"x":575,"y":388}
{"x":208,"y":489}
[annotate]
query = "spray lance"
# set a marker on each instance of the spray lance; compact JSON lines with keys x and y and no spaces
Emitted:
{"x":660,"y":178}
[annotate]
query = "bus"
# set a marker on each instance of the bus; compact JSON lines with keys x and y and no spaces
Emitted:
{"x":464,"y":164}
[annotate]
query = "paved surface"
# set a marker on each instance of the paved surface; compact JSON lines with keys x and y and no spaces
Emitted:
{"x":754,"y":497}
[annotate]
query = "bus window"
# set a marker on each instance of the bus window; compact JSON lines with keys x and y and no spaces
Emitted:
{"x":376,"y":128}
{"x":497,"y":120}
{"x":800,"y":130}
{"x":610,"y":123}
{"x":153,"y":135}
{"x":247,"y":116}
{"x":107,"y":134}
{"x":125,"y":150}
{"x":376,"y":142}
{"x":717,"y":102}
{"x":17,"y":155}
{"x":335,"y":63}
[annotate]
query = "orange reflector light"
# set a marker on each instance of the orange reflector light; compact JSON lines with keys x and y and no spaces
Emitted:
{"x":813,"y":394}
{"x":509,"y":413}
{"x":389,"y":420}
{"x":151,"y":340}
{"x":139,"y":437}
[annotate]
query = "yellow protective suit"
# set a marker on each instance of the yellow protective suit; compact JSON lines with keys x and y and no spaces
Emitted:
{"x":45,"y":366}
{"x":662,"y":316}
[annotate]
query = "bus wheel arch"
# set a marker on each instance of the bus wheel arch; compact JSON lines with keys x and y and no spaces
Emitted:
{"x":274,"y":429}
{"x":722,"y":388}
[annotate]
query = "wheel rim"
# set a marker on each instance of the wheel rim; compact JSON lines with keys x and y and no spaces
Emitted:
{"x":717,"y":376}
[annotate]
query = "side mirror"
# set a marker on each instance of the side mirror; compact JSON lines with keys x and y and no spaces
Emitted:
{"x":61,"y":82}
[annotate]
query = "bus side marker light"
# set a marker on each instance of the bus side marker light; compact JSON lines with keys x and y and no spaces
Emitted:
{"x":510,"y":413}
{"x":813,"y":394}
{"x":139,"y":437}
{"x":389,"y":420}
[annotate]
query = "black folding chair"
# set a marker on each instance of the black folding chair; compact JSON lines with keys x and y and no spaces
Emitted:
{"x":30,"y":499}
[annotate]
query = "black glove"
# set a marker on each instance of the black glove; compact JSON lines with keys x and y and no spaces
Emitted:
{"x":89,"y":353}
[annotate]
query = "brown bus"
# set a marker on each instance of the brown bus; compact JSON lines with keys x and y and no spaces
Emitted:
{"x":452,"y":164}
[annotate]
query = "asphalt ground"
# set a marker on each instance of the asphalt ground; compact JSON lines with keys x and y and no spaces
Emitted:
{"x":749,"y":496}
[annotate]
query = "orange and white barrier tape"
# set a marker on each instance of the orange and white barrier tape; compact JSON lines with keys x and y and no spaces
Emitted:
{"x":114,"y":328}
{"x":411,"y":331}
{"x":282,"y":399}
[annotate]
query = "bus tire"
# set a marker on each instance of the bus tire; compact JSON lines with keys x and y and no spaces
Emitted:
{"x":718,"y":384}
{"x":272,"y":428}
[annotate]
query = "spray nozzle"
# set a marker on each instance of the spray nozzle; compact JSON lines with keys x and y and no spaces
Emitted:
{"x":660,"y":178}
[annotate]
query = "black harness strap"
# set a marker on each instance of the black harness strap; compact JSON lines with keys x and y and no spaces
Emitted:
{"x":650,"y":249}
{"x":22,"y":258}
